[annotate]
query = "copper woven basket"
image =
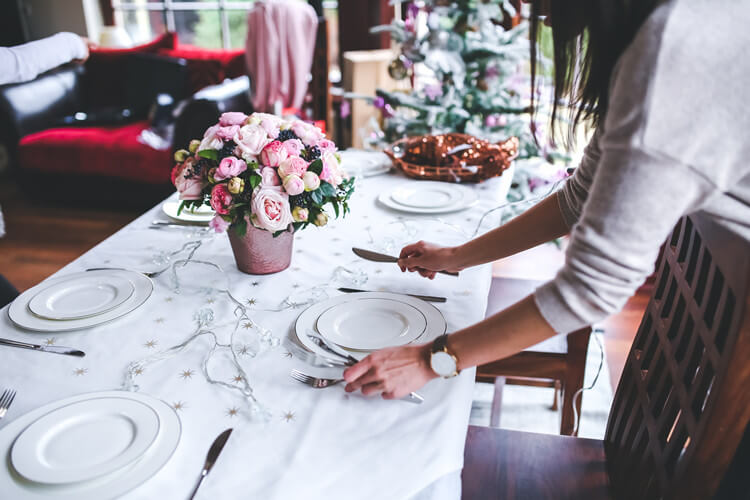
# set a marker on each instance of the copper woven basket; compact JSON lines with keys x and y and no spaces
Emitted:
{"x":452,"y":157}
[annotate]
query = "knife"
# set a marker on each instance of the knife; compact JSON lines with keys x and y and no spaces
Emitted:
{"x":45,"y":348}
{"x":428,"y":298}
{"x":381,"y":257}
{"x":213,"y":454}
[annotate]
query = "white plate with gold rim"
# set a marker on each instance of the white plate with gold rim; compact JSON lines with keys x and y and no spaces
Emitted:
{"x":81,"y":297}
{"x":113,"y":485}
{"x":307,"y":320}
{"x":20,"y":314}
{"x":429,"y":197}
{"x":202,"y":214}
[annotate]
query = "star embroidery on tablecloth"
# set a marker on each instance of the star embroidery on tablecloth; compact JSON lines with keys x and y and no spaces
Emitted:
{"x":288,"y":354}
{"x":168,"y":299}
{"x":238,"y":378}
{"x":159,"y":320}
{"x":50,"y":341}
{"x":295,"y":268}
{"x":337,"y":254}
{"x":288,"y":416}
{"x":150,"y":344}
{"x":299,"y":250}
{"x":336,"y":239}
{"x":80,"y":371}
{"x":186,"y":374}
{"x":247,"y":325}
{"x":138,"y":371}
{"x":107,"y":261}
{"x":378,"y":271}
{"x":255,"y":283}
{"x":296,"y":285}
{"x":232,"y":412}
{"x":179,"y":405}
{"x":244,"y":350}
{"x":210,"y":300}
{"x":251,"y":302}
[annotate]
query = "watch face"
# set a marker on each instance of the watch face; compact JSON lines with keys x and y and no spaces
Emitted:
{"x":443,"y":364}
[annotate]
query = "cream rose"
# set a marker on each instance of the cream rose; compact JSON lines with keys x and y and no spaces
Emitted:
{"x":270,"y":209}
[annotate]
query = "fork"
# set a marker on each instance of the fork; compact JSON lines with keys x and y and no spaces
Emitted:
{"x":6,"y":400}
{"x":315,"y":382}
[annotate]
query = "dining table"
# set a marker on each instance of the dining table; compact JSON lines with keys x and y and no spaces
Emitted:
{"x":290,"y":441}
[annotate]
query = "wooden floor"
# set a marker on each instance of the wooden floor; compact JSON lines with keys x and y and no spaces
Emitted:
{"x":40,"y":239}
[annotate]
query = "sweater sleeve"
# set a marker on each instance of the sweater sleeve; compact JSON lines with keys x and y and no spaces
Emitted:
{"x":574,"y":192}
{"x":25,"y":62}
{"x":636,"y":198}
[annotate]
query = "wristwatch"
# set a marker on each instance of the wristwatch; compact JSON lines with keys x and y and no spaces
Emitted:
{"x":442,"y":361}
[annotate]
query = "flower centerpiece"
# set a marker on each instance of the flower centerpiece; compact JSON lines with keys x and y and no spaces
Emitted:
{"x":265,"y":177}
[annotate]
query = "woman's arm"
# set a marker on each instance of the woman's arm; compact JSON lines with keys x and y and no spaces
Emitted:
{"x":25,"y":62}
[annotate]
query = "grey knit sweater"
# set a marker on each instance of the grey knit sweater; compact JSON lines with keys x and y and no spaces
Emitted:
{"x":676,"y":140}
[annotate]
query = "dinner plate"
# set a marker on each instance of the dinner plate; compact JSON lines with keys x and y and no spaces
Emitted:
{"x":19,"y":312}
{"x":81,"y":297}
{"x":84,"y":440}
{"x":202,"y":214}
{"x":367,"y":324}
{"x":428,"y":197}
{"x":113,"y":485}
{"x":307,"y":320}
{"x":431,"y":195}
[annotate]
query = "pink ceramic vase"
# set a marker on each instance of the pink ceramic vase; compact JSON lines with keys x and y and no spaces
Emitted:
{"x":258,"y":252}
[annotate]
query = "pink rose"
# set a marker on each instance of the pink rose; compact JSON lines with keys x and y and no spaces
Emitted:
{"x":311,"y":181}
{"x":294,"y":165}
{"x":210,"y":139}
{"x":270,"y":209}
{"x":269,"y":177}
{"x":270,"y":123}
{"x":229,"y":167}
{"x":293,"y":185}
{"x":227,"y":133}
{"x":332,"y":172}
{"x":232,"y":118}
{"x":273,"y":154}
{"x":251,"y":139}
{"x":190,"y":187}
{"x":218,"y":224}
{"x":221,"y":199}
{"x":309,"y":134}
{"x":293,"y":147}
{"x":326,"y":145}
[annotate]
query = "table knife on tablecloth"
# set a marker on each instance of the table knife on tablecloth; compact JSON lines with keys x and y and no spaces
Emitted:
{"x":213,"y":454}
{"x":381,"y":257}
{"x":56,"y":349}
{"x":428,"y":298}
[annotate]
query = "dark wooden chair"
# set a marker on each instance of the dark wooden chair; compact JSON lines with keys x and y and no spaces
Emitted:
{"x":559,"y":362}
{"x":682,"y":404}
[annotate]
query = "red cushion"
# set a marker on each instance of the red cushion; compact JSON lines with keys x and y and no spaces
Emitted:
{"x":105,"y":71}
{"x":208,"y":67}
{"x":111,"y":152}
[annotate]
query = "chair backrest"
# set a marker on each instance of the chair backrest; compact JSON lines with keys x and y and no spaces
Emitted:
{"x":683,"y":400}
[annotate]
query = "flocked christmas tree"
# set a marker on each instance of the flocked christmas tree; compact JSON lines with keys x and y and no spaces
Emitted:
{"x":469,"y":74}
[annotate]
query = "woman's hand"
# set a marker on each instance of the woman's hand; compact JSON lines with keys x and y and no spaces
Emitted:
{"x":393,"y":372}
{"x":427,"y":258}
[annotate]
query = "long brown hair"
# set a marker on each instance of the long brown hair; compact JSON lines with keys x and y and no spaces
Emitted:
{"x":588,"y":36}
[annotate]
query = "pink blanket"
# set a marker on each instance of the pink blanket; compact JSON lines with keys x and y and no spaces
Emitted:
{"x":279,"y":50}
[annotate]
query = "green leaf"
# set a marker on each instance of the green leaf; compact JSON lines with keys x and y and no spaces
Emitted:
{"x":317,"y":197}
{"x":255,"y":180}
{"x":240,"y":227}
{"x":316,"y":166}
{"x":210,"y":154}
{"x":182,"y":205}
{"x":336,"y":209}
{"x":327,"y":189}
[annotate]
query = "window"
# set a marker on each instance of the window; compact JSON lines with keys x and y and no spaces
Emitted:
{"x":211,"y":24}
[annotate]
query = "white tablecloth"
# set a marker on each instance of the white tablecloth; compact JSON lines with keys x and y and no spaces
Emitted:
{"x":317,"y":443}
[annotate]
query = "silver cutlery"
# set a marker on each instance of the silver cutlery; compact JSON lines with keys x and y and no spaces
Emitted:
{"x":381,"y":257}
{"x":428,"y":298}
{"x":152,"y":274}
{"x":6,"y":400}
{"x":315,"y":382}
{"x":173,"y":225}
{"x":335,"y":350}
{"x":55,"y":349}
{"x":213,"y":454}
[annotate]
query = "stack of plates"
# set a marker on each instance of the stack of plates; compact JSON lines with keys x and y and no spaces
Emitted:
{"x":368,"y":321}
{"x":93,"y":446}
{"x":198,"y":215}
{"x":80,"y":300}
{"x":429,"y":197}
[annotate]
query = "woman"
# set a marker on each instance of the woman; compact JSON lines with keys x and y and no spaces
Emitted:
{"x":663,"y":82}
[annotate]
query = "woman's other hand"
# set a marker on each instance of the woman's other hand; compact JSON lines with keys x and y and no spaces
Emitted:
{"x":427,"y":259}
{"x":393,"y":372}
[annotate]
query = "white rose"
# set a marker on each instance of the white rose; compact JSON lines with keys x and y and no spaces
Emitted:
{"x":251,"y":139}
{"x":270,"y":209}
